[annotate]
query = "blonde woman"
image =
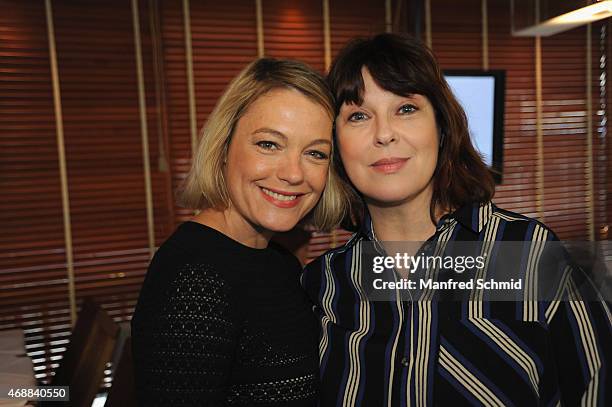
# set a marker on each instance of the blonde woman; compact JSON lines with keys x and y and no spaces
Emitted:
{"x":221,"y":317}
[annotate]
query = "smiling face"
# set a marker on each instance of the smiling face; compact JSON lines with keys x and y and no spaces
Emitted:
{"x":277,"y":161}
{"x":388,"y":145}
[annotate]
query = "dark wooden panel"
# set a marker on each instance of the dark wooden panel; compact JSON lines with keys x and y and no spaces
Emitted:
{"x":294,"y":29}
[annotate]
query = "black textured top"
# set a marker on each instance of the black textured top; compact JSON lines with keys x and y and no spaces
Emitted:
{"x":220,"y":323}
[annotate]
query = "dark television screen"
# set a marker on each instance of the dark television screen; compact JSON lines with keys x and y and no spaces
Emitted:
{"x":481,"y":93}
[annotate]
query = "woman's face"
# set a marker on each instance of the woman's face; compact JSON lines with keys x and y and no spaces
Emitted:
{"x":277,"y":160}
{"x":388,"y":145}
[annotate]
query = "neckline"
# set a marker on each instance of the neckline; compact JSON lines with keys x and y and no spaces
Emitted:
{"x":225,"y":239}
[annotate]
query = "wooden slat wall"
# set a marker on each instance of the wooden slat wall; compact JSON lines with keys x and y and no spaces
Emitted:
{"x":157,"y":114}
{"x":294,"y":29}
{"x":349,"y":19}
{"x":177,"y":100}
{"x":456,"y":35}
{"x":609,"y":117}
{"x":96,"y":61}
{"x":517,"y":56}
{"x":602,"y":171}
{"x":565,"y":130}
{"x":604,"y":180}
{"x":457,"y":42}
{"x":102,"y":138}
{"x":33,"y":285}
{"x":97,"y":69}
{"x":320,"y":242}
{"x":602,"y":110}
{"x":224,"y":38}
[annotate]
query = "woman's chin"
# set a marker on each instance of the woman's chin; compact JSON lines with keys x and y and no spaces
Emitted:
{"x":395,"y":197}
{"x":387,"y":200}
{"x":279,"y":226}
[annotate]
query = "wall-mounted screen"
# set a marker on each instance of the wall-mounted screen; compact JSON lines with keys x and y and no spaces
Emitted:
{"x":481,"y":93}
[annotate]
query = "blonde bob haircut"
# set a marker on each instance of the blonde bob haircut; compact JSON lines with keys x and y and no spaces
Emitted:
{"x":205,"y":185}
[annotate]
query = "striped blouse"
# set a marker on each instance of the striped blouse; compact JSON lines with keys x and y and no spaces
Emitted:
{"x":431,"y":352}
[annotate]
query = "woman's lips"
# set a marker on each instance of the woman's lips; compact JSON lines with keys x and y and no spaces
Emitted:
{"x":389,"y":165}
{"x":281,"y":199}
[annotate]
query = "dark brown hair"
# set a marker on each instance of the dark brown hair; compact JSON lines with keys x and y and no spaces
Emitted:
{"x":402,"y":65}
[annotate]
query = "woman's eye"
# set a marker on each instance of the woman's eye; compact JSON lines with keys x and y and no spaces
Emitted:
{"x":357,"y":117}
{"x":267,"y":145}
{"x":407,"y":109}
{"x":319,"y":155}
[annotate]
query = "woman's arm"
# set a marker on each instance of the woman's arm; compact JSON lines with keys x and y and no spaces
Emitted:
{"x":183,"y":342}
{"x":581,"y":333}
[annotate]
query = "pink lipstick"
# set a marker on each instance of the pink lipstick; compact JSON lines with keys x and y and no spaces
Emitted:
{"x":389,"y":165}
{"x":281,"y":199}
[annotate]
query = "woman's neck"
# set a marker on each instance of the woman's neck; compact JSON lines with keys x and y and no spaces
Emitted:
{"x":407,"y":221}
{"x":234,"y":226}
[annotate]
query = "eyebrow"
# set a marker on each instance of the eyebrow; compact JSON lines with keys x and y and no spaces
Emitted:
{"x":412,"y":96}
{"x":273,"y":132}
{"x":320,"y":141}
{"x":277,"y":133}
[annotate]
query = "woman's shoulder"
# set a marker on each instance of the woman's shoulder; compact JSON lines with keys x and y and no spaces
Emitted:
{"x":323,"y":267}
{"x":181,"y":250}
{"x":513,"y":226}
{"x":489,"y":221}
{"x":194,"y":247}
{"x":193,"y":240}
{"x":186,"y":260}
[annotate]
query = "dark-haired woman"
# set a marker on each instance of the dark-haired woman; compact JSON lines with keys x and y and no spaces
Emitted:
{"x":404,"y":144}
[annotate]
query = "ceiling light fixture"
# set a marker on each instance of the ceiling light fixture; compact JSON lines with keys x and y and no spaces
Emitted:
{"x":594,"y":12}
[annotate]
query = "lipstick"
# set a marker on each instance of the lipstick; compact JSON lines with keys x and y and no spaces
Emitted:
{"x":389,"y":165}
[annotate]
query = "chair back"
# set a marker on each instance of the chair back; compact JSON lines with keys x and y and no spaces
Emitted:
{"x":91,"y":347}
{"x":122,"y":392}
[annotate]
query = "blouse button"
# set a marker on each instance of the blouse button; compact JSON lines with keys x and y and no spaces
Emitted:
{"x":405,"y":362}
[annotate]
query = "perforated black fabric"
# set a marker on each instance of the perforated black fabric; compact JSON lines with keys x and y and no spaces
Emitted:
{"x":218,"y":323}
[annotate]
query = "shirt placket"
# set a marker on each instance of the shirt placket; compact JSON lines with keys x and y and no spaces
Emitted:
{"x":409,"y":331}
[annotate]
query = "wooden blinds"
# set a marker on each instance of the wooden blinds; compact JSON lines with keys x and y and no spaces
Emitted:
{"x":102,"y":138}
{"x":294,"y":29}
{"x":563,"y":201}
{"x":34,"y":289}
{"x":189,"y":51}
{"x":223,"y":41}
{"x":350,"y":19}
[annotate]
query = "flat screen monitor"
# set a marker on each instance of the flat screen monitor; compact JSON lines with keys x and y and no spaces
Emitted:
{"x":481,"y":93}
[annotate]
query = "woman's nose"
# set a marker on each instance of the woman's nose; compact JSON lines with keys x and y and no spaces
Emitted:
{"x":384,"y":132}
{"x":290,"y":170}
